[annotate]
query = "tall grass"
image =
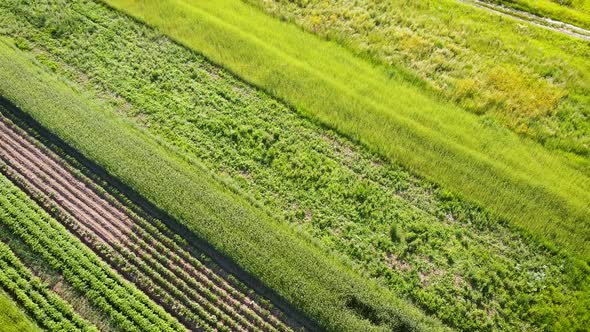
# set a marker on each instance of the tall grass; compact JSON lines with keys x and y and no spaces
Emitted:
{"x":12,"y":318}
{"x":323,"y":288}
{"x":515,"y":178}
{"x":530,"y":80}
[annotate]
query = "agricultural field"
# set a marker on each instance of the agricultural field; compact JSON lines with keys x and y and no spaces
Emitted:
{"x":270,"y":165}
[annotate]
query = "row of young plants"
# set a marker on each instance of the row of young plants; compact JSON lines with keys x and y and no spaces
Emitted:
{"x":420,"y":241}
{"x":214,"y":287}
{"x":126,"y":306}
{"x":46,"y":307}
{"x":122,"y":259}
{"x":201,"y":296}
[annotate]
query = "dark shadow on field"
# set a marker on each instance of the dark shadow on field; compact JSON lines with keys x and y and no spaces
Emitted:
{"x":295,"y":318}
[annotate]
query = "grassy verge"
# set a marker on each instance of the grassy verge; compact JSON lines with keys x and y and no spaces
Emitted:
{"x":12,"y":318}
{"x":307,"y":278}
{"x":520,"y":181}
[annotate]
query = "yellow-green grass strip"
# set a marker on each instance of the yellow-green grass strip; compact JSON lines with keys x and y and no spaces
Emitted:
{"x":519,"y":180}
{"x":321,"y":286}
{"x":12,"y":318}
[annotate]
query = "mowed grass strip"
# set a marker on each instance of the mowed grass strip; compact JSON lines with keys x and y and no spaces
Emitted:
{"x":306,"y":277}
{"x":519,"y":180}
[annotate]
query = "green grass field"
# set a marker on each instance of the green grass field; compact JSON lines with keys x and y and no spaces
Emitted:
{"x":542,"y":192}
{"x":532,"y":81}
{"x":233,"y":143}
{"x":375,"y":214}
{"x":12,"y":318}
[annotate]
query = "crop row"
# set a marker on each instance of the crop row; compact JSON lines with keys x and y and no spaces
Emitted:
{"x":46,"y":307}
{"x":127,"y":307}
{"x":158,"y":243}
{"x":347,"y":198}
{"x":195,"y":295}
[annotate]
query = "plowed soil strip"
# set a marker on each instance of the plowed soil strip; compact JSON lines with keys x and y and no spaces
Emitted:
{"x":173,"y":269}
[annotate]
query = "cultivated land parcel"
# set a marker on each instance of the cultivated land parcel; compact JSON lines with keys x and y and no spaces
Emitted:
{"x":346,"y":184}
{"x":543,"y":192}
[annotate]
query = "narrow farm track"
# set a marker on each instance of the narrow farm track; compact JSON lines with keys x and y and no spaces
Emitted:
{"x":198,"y":296}
{"x":543,"y":22}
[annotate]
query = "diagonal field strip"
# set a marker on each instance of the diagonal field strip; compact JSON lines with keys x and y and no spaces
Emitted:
{"x":219,"y":304}
{"x":320,"y":285}
{"x":520,"y":181}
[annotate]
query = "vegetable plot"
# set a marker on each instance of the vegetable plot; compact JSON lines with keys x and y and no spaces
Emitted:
{"x":171,"y":276}
{"x":48,"y":309}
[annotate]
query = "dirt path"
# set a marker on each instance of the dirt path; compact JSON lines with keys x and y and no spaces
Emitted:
{"x":544,"y":22}
{"x":173,"y":272}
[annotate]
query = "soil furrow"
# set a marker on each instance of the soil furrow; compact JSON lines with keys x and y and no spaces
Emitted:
{"x":112,"y":225}
{"x":81,"y":214}
{"x":34,"y":180}
{"x":63,"y":197}
{"x":108,"y":213}
{"x":65,"y":183}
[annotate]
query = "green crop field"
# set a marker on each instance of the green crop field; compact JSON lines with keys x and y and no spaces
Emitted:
{"x":269,"y":165}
